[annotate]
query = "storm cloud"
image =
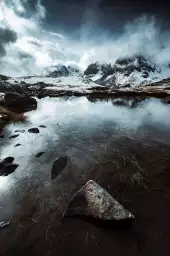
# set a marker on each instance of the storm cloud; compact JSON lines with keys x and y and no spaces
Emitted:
{"x":31,"y":40}
{"x":7,"y":36}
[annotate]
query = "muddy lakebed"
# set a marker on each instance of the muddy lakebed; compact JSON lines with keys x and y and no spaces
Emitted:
{"x":124,"y":149}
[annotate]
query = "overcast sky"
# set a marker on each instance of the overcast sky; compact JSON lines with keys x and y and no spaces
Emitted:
{"x":84,"y":31}
{"x":72,"y":15}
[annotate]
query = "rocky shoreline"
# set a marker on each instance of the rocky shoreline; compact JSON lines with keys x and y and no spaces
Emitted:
{"x":21,"y":97}
{"x":159,"y":89}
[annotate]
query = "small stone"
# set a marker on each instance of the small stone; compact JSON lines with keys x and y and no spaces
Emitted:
{"x":40,"y":154}
{"x":93,"y":201}
{"x":4,"y":223}
{"x":8,"y":169}
{"x":34,"y":130}
{"x":13,"y":136}
{"x":17,"y":145}
{"x":7,"y":160}
{"x":21,"y":131}
{"x":58,"y":166}
{"x":43,"y":126}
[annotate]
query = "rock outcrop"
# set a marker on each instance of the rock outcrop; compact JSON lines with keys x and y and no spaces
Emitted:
{"x":19,"y":103}
{"x":93,"y":201}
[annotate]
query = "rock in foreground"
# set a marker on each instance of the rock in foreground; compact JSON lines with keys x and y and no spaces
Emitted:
{"x":93,"y":201}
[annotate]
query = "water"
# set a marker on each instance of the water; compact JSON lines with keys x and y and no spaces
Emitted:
{"x":82,"y":130}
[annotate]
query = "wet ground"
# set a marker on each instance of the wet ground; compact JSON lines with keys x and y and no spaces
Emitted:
{"x":126,"y":150}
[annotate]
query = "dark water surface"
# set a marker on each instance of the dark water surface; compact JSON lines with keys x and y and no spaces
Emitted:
{"x":96,"y":137}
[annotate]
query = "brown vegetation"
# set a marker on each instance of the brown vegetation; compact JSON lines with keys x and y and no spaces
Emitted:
{"x":10,"y":117}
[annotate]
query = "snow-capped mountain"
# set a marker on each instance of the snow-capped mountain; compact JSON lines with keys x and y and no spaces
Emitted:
{"x":125,"y":72}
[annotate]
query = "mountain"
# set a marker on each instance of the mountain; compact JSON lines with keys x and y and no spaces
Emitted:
{"x":124,"y":72}
{"x":61,"y":70}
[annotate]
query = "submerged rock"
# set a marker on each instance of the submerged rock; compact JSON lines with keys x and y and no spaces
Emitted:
{"x":93,"y":201}
{"x":17,"y":145}
{"x":13,"y":136}
{"x":43,"y":126}
{"x":34,"y":130}
{"x":1,"y":136}
{"x":21,"y":131}
{"x":8,"y":169}
{"x":7,"y":160}
{"x":58,"y":166}
{"x":40,"y":154}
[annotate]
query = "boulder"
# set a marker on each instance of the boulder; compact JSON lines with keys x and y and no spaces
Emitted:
{"x":8,"y":169}
{"x":58,"y":166}
{"x":19,"y":103}
{"x":93,"y":201}
{"x":10,"y":97}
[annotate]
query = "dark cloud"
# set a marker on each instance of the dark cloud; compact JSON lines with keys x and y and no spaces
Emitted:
{"x":108,"y":15}
{"x":6,"y":36}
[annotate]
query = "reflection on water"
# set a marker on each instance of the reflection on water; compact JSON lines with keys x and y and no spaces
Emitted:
{"x":80,"y":129}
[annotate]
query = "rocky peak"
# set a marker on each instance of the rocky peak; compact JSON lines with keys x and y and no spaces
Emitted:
{"x":136,"y":63}
{"x":124,"y":70}
{"x":58,"y":71}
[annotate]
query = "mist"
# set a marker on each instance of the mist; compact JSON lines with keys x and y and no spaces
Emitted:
{"x":77,"y":121}
{"x":32,"y":49}
{"x":79,"y":129}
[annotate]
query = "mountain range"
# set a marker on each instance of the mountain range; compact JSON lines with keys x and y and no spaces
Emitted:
{"x":127,"y":72}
